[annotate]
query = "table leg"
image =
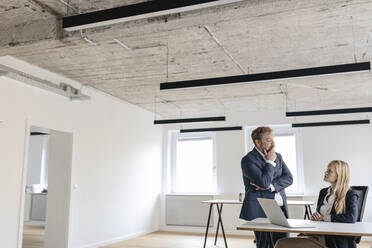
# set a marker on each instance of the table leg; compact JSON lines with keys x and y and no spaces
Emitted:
{"x":218,"y":225}
{"x":309,"y":207}
{"x":219,"y":216}
{"x":306,"y":213}
{"x":209,"y":218}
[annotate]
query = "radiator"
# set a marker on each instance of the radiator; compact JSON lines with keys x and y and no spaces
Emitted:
{"x":187,"y":210}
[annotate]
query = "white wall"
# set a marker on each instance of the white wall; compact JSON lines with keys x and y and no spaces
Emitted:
{"x":350,"y":143}
{"x":230,"y":150}
{"x":116,"y":163}
{"x":320,"y":145}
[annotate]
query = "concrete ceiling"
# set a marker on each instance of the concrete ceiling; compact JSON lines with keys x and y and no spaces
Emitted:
{"x":256,"y":36}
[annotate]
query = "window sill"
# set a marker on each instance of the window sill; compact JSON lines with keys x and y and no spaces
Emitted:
{"x":192,"y":194}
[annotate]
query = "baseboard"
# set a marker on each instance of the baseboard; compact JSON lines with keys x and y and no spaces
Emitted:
{"x":119,"y":239}
{"x":201,"y":230}
{"x":34,"y":223}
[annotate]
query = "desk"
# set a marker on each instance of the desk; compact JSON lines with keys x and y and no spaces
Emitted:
{"x":219,"y":205}
{"x":306,"y":204}
{"x":320,"y":227}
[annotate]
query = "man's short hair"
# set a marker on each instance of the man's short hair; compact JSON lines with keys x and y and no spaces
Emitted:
{"x":258,"y":132}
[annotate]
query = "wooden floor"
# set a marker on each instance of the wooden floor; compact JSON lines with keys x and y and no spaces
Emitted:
{"x":182,"y":240}
{"x":185,"y":240}
{"x":33,"y":237}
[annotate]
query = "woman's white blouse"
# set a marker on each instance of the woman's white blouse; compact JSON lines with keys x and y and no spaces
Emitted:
{"x":326,"y":208}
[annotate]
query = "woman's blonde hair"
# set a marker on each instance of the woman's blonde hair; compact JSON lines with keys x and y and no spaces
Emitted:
{"x":342,"y":184}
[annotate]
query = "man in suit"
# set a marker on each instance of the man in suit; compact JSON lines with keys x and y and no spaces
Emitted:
{"x":265,"y":175}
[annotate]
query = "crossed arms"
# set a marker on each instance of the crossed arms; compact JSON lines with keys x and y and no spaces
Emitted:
{"x":262,"y":178}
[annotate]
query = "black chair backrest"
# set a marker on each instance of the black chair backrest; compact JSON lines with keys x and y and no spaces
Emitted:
{"x":362,"y":192}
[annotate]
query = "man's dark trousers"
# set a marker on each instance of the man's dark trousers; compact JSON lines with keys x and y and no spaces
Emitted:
{"x":263,"y":238}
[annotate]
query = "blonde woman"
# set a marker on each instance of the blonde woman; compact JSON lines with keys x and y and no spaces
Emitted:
{"x":336,"y":203}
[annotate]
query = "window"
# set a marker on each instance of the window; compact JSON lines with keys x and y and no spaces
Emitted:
{"x":288,"y":144}
{"x":193,"y":167}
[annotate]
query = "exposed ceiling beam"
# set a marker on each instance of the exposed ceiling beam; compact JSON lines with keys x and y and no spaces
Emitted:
{"x":45,"y":7}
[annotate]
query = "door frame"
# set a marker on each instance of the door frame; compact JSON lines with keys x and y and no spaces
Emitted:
{"x":28,"y":124}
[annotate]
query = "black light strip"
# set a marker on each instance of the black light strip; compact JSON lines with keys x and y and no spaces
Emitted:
{"x":214,"y":129}
{"x":38,"y":133}
{"x":329,"y":111}
{"x":363,"y":66}
{"x":330,"y":123}
{"x":202,"y":119}
{"x":136,"y":11}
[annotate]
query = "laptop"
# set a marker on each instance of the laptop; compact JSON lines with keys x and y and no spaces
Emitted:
{"x":277,"y":217}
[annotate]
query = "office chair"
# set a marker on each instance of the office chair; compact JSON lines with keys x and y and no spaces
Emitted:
{"x":362,"y":192}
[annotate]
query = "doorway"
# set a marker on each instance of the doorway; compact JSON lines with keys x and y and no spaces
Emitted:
{"x":46,"y":196}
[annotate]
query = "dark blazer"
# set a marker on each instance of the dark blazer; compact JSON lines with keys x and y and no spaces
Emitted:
{"x":256,"y":170}
{"x":350,"y":216}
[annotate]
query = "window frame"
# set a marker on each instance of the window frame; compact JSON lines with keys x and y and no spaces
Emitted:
{"x":176,"y":136}
{"x":283,"y":130}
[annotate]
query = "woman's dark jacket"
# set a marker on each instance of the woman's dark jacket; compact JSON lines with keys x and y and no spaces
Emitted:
{"x":350,"y":216}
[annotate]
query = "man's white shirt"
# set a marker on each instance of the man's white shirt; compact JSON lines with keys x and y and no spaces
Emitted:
{"x":278,"y":197}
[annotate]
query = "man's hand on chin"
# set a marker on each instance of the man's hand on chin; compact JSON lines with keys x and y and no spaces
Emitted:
{"x":257,"y":187}
{"x":270,"y":154}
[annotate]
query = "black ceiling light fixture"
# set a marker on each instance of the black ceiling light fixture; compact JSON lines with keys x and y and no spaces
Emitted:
{"x":136,"y":11}
{"x":38,"y":133}
{"x":314,"y":71}
{"x":329,"y":111}
{"x":331,"y":123}
{"x":213,"y":129}
{"x":188,"y":120}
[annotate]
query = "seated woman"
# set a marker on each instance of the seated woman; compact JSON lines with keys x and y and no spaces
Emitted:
{"x":336,"y":203}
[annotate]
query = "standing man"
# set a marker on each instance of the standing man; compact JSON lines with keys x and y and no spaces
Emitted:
{"x":265,"y":175}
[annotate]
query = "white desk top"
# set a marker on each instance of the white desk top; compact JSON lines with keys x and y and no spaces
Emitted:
{"x":321,"y":227}
{"x":219,"y":201}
